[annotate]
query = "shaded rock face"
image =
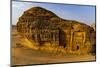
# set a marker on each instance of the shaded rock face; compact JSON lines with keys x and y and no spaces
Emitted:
{"x":43,"y":26}
{"x":94,"y":26}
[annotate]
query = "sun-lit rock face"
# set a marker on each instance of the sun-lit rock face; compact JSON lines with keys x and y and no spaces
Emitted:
{"x":43,"y":27}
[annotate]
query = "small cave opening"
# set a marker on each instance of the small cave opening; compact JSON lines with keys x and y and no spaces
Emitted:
{"x":77,"y":47}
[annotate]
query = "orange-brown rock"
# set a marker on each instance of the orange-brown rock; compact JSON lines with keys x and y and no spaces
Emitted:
{"x":43,"y":27}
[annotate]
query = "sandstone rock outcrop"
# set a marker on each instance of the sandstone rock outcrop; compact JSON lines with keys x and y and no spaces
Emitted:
{"x":43,"y":27}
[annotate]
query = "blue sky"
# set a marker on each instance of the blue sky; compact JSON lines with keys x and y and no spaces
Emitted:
{"x":84,"y":14}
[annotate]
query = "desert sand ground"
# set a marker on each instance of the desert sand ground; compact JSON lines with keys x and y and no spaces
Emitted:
{"x":22,"y":55}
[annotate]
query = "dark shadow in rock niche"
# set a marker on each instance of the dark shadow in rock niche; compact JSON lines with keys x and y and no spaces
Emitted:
{"x":62,"y":38}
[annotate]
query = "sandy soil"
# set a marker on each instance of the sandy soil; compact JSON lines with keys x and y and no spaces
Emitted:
{"x":22,"y":55}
